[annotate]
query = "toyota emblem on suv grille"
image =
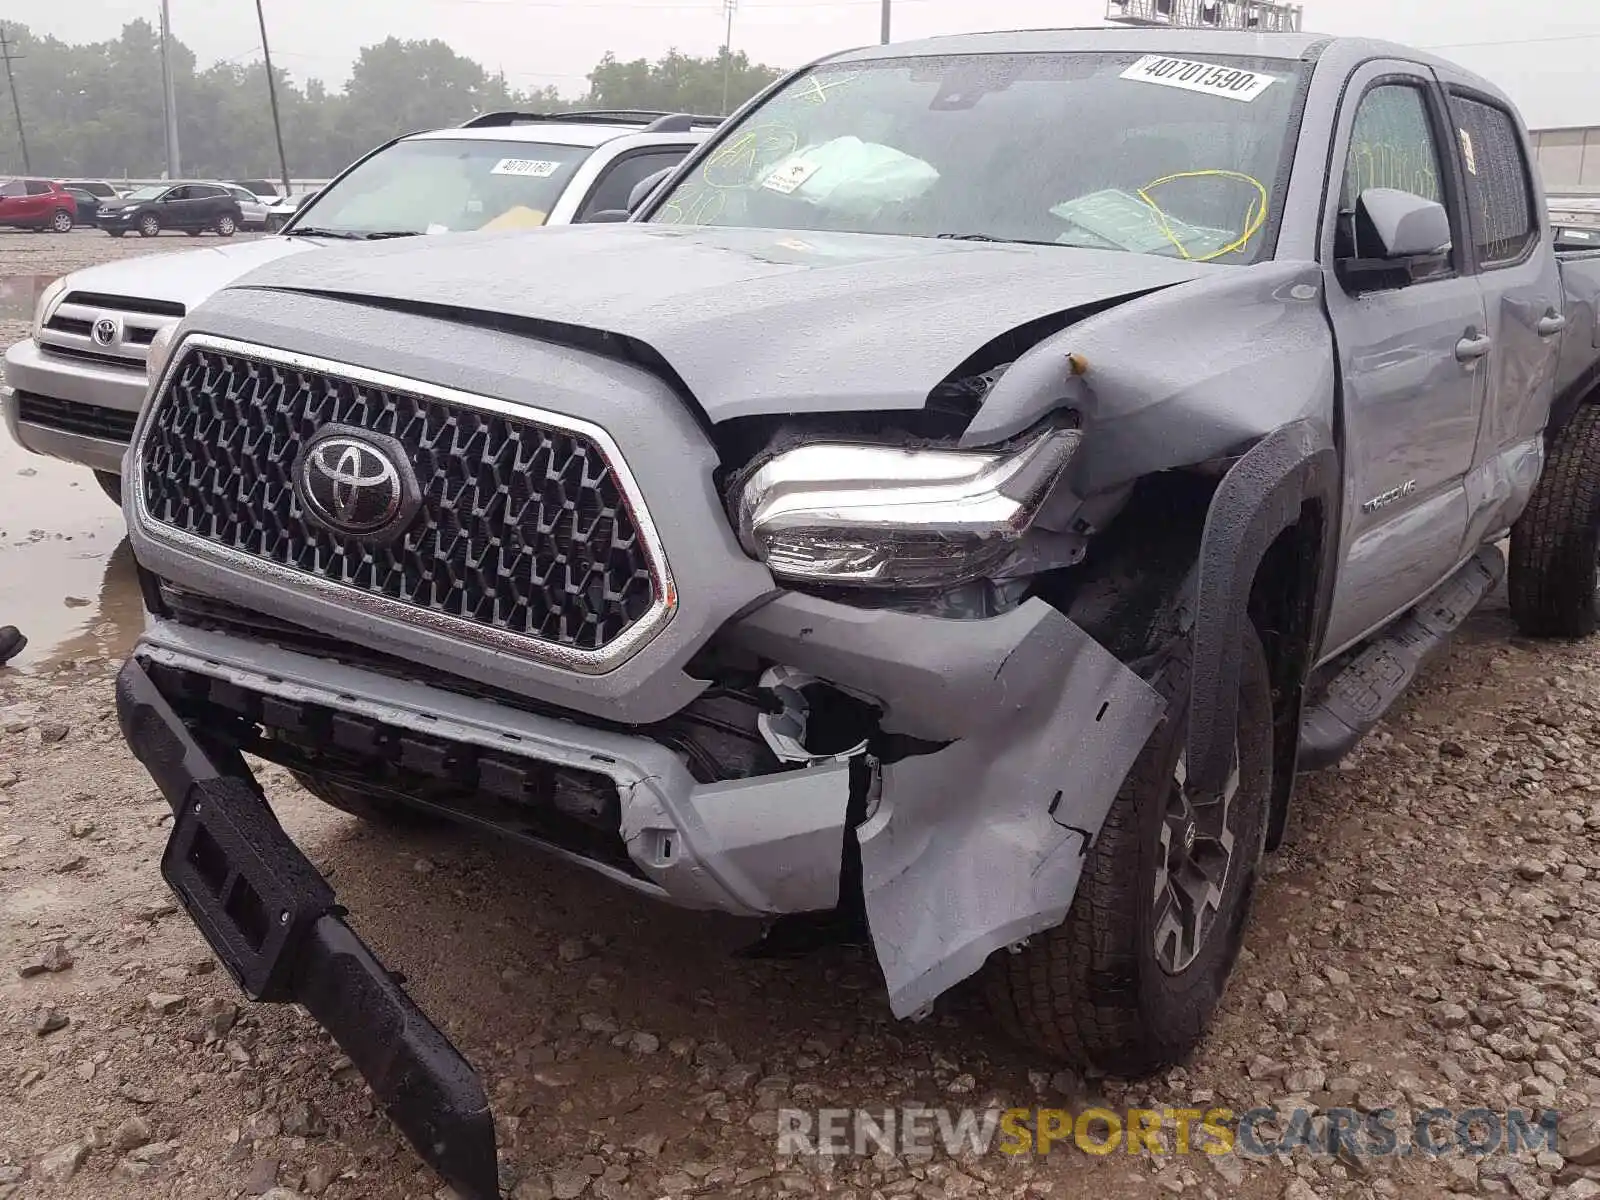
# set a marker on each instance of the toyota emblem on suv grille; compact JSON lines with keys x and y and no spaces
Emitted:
{"x":105,"y":331}
{"x":356,"y":483}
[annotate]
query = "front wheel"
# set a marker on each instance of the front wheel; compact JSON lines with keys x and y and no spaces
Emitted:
{"x":1553,"y":580}
{"x":149,"y":225}
{"x":61,"y":221}
{"x":226,"y":227}
{"x":1129,"y":981}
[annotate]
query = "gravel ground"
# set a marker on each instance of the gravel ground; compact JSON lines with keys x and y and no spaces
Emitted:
{"x":1427,"y":937}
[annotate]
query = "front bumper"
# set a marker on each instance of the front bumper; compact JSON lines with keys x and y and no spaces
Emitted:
{"x":270,"y":917}
{"x":85,"y":412}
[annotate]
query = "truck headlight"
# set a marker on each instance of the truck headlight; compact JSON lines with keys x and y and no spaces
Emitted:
{"x":48,"y":299}
{"x":160,"y":352}
{"x":880,"y":516}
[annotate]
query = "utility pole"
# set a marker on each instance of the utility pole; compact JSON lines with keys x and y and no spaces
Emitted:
{"x":884,"y":31}
{"x":728,"y":7}
{"x":272,"y":94}
{"x":6,"y":46}
{"x":170,"y":96}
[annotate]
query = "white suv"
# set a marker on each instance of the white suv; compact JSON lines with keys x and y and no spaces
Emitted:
{"x":74,"y":387}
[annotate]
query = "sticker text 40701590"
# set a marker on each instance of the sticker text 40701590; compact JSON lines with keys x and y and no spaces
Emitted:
{"x":1211,"y":79}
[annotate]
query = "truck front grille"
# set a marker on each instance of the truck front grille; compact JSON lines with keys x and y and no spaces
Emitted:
{"x":526,"y":536}
{"x":134,"y":323}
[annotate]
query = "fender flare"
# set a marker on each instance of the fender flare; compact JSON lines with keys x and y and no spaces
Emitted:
{"x":1261,"y":496}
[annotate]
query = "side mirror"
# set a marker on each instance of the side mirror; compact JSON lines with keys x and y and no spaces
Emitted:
{"x":1401,"y":225}
{"x":642,"y":189}
{"x":605,"y":215}
{"x":1399,"y":238}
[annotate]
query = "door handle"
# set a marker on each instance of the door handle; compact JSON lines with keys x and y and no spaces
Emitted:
{"x":1551,"y":324}
{"x":1473,"y":346}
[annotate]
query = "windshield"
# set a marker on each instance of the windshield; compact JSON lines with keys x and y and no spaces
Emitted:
{"x":438,"y":185}
{"x":147,"y":193}
{"x":1147,"y":154}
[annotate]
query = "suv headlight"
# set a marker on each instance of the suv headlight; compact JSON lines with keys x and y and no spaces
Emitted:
{"x":48,"y":299}
{"x":880,"y":516}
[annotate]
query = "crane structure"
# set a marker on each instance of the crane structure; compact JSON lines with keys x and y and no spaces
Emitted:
{"x":1253,"y":16}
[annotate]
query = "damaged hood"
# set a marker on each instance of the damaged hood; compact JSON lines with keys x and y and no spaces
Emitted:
{"x":752,"y":321}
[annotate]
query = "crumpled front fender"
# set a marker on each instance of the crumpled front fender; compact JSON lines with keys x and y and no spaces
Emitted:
{"x":982,"y":843}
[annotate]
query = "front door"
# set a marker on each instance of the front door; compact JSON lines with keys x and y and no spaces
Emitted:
{"x":1411,"y":358}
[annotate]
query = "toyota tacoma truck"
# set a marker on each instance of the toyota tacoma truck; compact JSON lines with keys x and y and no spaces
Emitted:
{"x":74,"y":386}
{"x":957,"y":502}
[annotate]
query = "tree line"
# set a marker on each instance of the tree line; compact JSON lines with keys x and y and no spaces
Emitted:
{"x":95,"y":109}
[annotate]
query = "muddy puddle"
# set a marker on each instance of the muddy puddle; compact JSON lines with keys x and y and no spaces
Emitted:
{"x":66,"y":570}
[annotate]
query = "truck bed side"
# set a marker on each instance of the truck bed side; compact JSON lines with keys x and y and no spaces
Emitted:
{"x":1578,"y":371}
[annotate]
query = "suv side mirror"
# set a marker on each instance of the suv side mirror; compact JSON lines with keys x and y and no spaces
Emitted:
{"x":1399,"y":237}
{"x":642,"y":189}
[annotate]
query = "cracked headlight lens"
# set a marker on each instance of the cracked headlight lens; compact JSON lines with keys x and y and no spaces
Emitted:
{"x":883,"y":516}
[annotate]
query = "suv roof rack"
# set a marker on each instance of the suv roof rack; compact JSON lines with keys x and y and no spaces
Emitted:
{"x":653,"y":120}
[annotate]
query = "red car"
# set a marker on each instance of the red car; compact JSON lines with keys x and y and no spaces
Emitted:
{"x":37,"y":204}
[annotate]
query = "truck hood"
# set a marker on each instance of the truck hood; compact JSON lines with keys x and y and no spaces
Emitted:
{"x":187,"y":278}
{"x":752,"y":321}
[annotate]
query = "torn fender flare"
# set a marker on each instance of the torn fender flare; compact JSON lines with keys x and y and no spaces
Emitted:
{"x":1261,"y":496}
{"x":980,"y":844}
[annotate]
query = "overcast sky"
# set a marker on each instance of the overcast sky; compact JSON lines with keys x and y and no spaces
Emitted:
{"x":1546,"y":54}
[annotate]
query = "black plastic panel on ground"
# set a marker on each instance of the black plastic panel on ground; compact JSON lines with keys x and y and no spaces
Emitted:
{"x":522,"y":528}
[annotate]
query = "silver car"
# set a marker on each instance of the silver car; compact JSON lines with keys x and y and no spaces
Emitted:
{"x":252,"y":208}
{"x":74,"y":386}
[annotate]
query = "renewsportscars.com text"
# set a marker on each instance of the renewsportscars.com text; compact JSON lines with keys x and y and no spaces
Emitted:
{"x":914,"y":1130}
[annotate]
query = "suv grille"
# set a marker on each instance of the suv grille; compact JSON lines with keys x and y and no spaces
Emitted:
{"x":524,"y":530}
{"x":69,"y":333}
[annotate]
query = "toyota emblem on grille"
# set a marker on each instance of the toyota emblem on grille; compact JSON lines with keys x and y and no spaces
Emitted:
{"x":105,"y":331}
{"x":356,"y":483}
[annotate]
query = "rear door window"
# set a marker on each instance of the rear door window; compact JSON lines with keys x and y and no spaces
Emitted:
{"x":38,"y":187}
{"x":1500,"y":202}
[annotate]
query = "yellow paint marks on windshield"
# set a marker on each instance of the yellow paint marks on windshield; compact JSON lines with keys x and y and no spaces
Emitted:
{"x":1255,"y":215}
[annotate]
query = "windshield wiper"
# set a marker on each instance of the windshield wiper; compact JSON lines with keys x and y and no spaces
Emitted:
{"x":354,"y":235}
{"x":312,"y":231}
{"x":986,"y":237}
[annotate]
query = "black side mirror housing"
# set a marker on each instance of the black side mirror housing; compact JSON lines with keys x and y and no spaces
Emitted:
{"x":1399,"y":238}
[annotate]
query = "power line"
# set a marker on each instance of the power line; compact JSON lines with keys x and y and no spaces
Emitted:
{"x":6,"y":46}
{"x":1533,"y":41}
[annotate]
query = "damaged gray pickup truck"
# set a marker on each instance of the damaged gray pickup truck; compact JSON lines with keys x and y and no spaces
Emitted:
{"x":960,"y":499}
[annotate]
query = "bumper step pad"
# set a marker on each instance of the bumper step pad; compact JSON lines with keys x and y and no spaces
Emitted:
{"x":272,"y":921}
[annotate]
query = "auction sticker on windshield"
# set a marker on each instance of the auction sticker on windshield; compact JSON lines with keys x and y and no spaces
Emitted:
{"x":1231,"y":83}
{"x":538,"y":168}
{"x":790,"y":174}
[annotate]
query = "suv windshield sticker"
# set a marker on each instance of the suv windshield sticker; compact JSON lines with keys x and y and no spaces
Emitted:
{"x":538,"y":168}
{"x":1231,"y":83}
